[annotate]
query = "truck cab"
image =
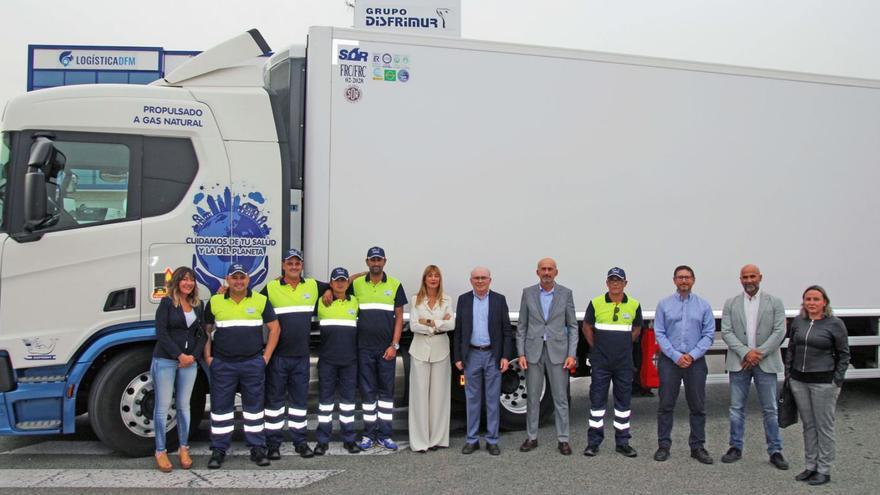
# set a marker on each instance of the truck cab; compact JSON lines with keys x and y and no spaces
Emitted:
{"x":105,"y":190}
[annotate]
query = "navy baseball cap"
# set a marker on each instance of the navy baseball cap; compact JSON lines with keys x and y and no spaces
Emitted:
{"x":236,"y":268}
{"x":339,"y":273}
{"x":617,"y":272}
{"x":292,"y":253}
{"x":375,"y":252}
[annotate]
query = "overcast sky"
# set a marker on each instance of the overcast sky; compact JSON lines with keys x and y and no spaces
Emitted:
{"x":839,"y":37}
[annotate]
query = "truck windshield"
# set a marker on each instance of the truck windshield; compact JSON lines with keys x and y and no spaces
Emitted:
{"x":4,"y":173}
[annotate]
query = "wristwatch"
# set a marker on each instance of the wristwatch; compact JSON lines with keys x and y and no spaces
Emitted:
{"x":395,"y":345}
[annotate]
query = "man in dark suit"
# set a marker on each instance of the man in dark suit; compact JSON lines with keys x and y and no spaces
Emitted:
{"x":482,"y":345}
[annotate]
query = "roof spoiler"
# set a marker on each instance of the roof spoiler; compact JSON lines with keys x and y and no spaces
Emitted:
{"x":227,"y":54}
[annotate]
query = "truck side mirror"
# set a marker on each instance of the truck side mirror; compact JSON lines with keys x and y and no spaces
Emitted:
{"x":35,"y":197}
{"x":44,"y":162}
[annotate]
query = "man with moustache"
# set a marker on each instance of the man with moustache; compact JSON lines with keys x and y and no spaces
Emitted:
{"x":380,"y":322}
{"x":753,"y":327}
{"x":685,"y":328}
{"x":287,"y":376}
{"x":612,"y":323}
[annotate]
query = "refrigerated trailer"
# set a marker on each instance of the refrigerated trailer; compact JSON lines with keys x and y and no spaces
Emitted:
{"x":446,"y":151}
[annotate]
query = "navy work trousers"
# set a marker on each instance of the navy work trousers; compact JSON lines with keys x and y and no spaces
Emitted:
{"x":227,"y":378}
{"x":376,"y":376}
{"x":287,"y":384}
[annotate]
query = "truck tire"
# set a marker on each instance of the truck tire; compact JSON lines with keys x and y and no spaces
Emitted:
{"x":514,"y":394}
{"x":121,"y":405}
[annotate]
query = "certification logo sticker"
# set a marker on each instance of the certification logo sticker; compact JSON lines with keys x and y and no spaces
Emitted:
{"x":403,"y":75}
{"x":390,"y":75}
{"x":352,"y":94}
{"x":40,"y":349}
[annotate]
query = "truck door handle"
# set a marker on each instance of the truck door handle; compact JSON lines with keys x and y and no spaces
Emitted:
{"x":119,"y":300}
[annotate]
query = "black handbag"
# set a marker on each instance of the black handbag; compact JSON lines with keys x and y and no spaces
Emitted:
{"x":786,"y":406}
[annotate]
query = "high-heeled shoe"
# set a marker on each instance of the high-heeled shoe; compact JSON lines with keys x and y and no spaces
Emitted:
{"x":162,"y":462}
{"x":186,"y":461}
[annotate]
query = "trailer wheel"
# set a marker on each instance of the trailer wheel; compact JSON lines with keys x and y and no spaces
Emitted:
{"x":514,"y":395}
{"x":121,"y":404}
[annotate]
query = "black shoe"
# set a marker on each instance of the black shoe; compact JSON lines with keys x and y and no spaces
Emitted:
{"x":591,"y":451}
{"x":303,"y":450}
{"x":274,"y":453}
{"x":733,"y":454}
{"x":564,"y":448}
{"x":777,"y":460}
{"x":819,"y":479}
{"x":469,"y":448}
{"x":701,"y":455}
{"x":662,"y":454}
{"x":258,"y":456}
{"x":352,"y":447}
{"x":321,"y":448}
{"x":217,"y":458}
{"x":805,"y":475}
{"x":493,"y":449}
{"x":626,"y":450}
{"x":528,"y":445}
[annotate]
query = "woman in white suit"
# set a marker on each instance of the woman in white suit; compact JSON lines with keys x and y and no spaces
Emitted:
{"x":430,"y":318}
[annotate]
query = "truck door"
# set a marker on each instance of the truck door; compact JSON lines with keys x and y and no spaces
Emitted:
{"x":79,"y":271}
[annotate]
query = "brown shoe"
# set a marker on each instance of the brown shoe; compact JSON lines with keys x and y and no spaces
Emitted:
{"x":186,"y":461}
{"x":564,"y":448}
{"x":528,"y":445}
{"x":163,"y":462}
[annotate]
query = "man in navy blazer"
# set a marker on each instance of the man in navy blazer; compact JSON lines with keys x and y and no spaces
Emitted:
{"x":482,"y":346}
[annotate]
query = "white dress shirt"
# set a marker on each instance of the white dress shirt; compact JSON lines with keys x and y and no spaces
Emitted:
{"x":750,"y":306}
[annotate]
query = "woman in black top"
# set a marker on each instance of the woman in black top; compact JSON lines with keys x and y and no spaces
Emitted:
{"x":816,"y":362}
{"x":179,"y":340}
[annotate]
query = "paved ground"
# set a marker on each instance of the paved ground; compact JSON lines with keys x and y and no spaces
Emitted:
{"x":78,"y":464}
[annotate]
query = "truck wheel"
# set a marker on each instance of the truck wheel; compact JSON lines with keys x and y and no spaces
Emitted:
{"x":121,"y":405}
{"x":514,"y":396}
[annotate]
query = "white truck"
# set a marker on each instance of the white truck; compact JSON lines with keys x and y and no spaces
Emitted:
{"x":445,"y":151}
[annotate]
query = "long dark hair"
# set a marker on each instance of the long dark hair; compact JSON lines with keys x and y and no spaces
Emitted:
{"x":173,"y":286}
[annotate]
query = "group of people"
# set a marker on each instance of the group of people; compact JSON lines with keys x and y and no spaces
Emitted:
{"x":361,"y":321}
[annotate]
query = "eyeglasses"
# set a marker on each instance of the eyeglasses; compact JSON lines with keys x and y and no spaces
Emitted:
{"x":616,"y":310}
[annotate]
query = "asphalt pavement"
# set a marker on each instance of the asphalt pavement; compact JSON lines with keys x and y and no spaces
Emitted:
{"x":80,"y":464}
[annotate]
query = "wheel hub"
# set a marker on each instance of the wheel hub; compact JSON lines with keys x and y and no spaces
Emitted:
{"x":137,"y":404}
{"x":514,"y":393}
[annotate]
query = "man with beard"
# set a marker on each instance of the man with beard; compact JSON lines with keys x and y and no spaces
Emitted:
{"x":753,"y":327}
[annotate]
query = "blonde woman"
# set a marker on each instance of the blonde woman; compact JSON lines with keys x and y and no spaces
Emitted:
{"x":816,"y":362}
{"x":430,"y":318}
{"x":179,"y":340}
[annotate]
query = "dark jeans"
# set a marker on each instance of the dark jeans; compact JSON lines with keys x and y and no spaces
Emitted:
{"x":694,"y":378}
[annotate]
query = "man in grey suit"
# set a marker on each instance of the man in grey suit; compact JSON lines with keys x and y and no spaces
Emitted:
{"x":753,"y":327}
{"x":546,"y":339}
